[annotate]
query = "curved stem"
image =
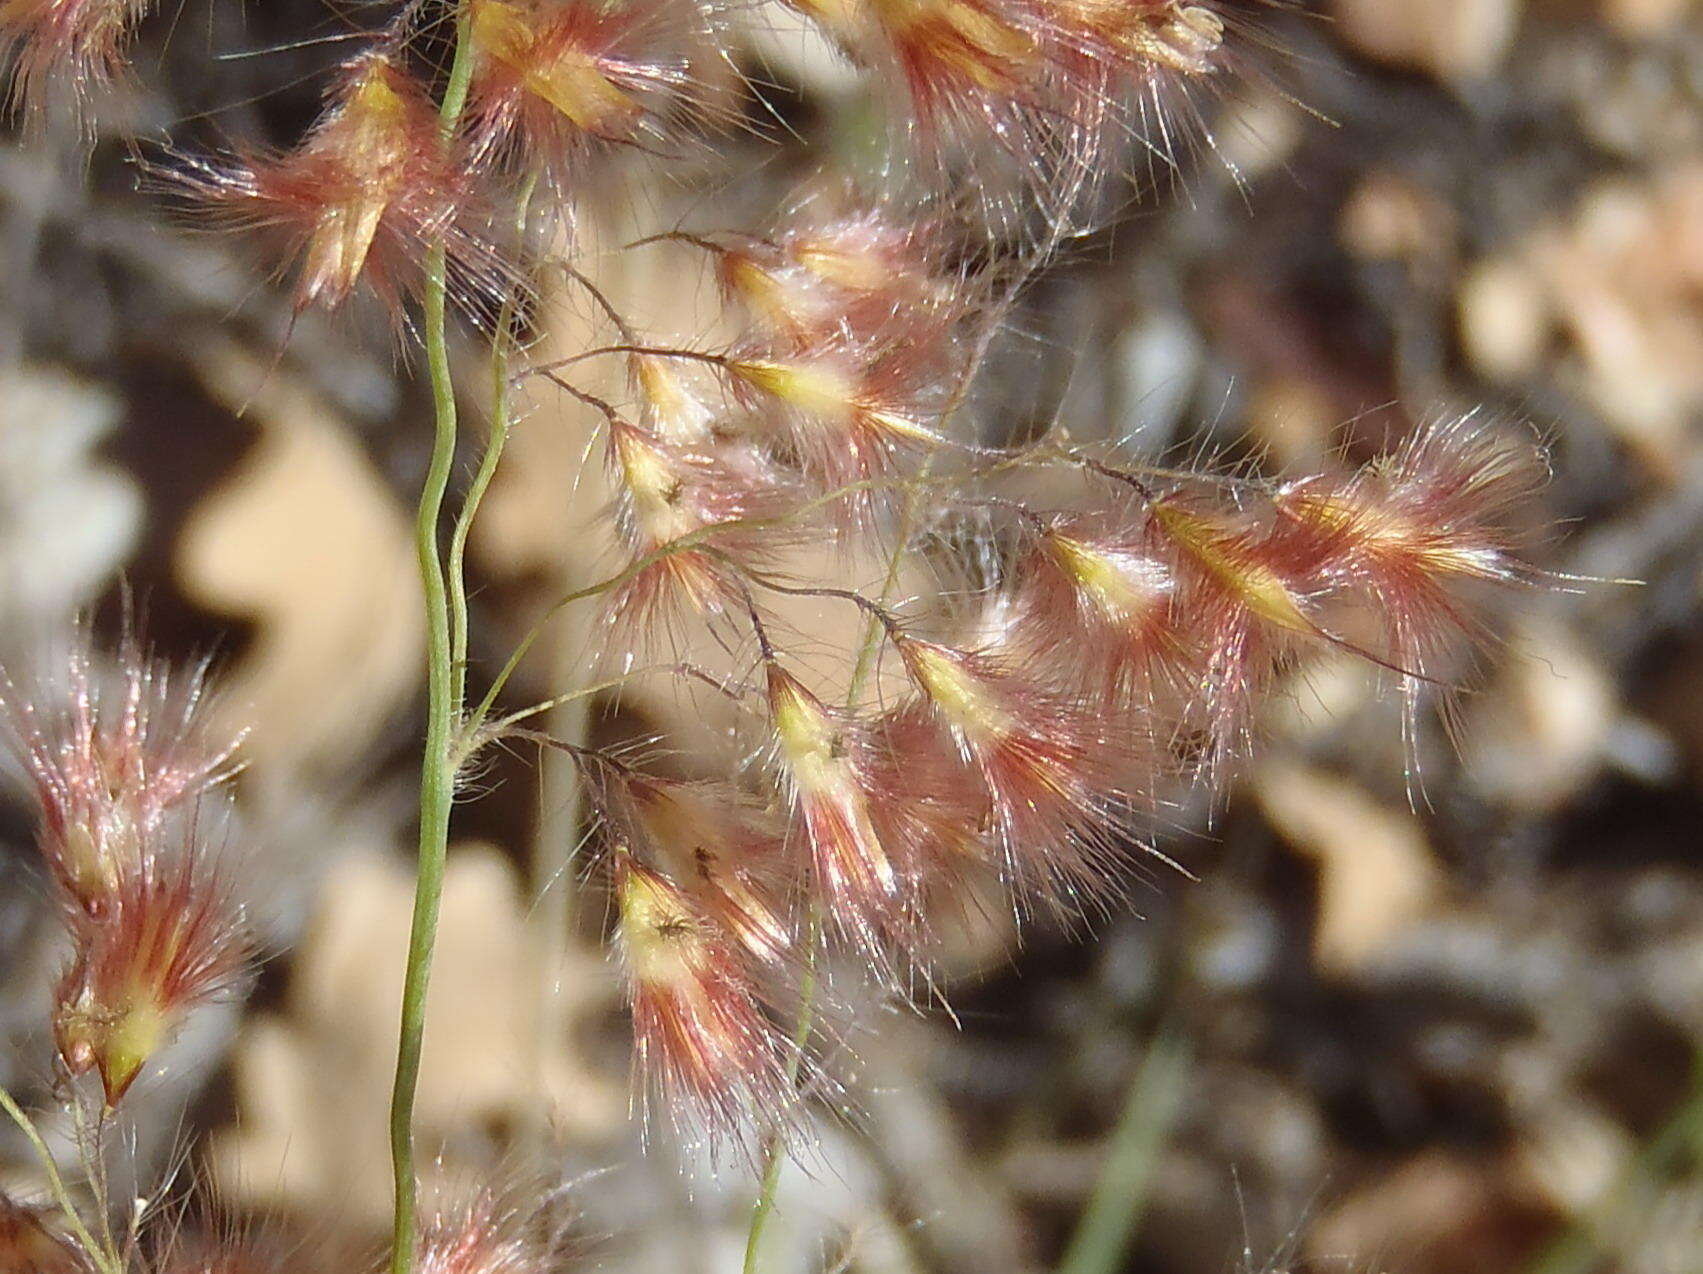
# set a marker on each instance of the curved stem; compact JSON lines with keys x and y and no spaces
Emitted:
{"x":437,"y":778}
{"x":501,"y":421}
{"x":105,"y":1259}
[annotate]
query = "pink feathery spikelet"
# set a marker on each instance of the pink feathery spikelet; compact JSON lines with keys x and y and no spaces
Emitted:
{"x":1088,"y":597}
{"x":169,"y":940}
{"x":1403,"y":535}
{"x":675,"y":407}
{"x":706,"y":1053}
{"x":669,"y":490}
{"x":1243,"y":610}
{"x":64,"y":49}
{"x":485,"y":1235}
{"x":829,"y":766}
{"x":936,"y":807}
{"x":966,"y":65}
{"x":109,"y":768}
{"x":712,"y":841}
{"x":847,"y":412}
{"x":1058,"y":775}
{"x":364,"y":196}
{"x":861,"y":276}
{"x":553,"y":81}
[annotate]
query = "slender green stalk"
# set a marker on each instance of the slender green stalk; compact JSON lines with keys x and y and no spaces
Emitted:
{"x":1114,"y":1208}
{"x":501,"y":422}
{"x":437,"y":776}
{"x":105,"y":1257}
{"x":774,"y":1151}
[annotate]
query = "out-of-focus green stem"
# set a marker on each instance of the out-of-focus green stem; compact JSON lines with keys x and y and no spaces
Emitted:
{"x":774,"y":1149}
{"x":105,"y":1258}
{"x":1114,"y":1208}
{"x":437,"y":775}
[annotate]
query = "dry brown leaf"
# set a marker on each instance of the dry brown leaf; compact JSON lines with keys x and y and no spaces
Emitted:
{"x":1376,"y":873}
{"x":313,"y":1085}
{"x":308,"y":543}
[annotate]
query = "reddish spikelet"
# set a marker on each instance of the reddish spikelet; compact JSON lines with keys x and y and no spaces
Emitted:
{"x":1245,"y":607}
{"x":788,"y":303}
{"x":1404,"y":534}
{"x":364,"y":196}
{"x":860,"y":276}
{"x":64,"y":48}
{"x":1054,"y":775}
{"x":706,"y":836}
{"x":1136,"y":40}
{"x":1088,"y":596}
{"x":966,"y":64}
{"x":553,"y":81}
{"x":669,"y":491}
{"x":704,"y":1049}
{"x":170,"y":940}
{"x":109,"y":771}
{"x":28,"y":1247}
{"x":935,"y":806}
{"x":828,"y":765}
{"x":847,"y":413}
{"x":673,"y":408}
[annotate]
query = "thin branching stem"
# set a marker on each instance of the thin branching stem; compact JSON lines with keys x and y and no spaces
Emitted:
{"x":105,"y":1257}
{"x":437,"y":777}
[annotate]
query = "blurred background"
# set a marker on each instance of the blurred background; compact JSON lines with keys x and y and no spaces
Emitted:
{"x":1456,"y":1035}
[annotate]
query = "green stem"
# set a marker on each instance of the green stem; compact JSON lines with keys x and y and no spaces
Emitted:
{"x":501,"y":421}
{"x":437,"y":777}
{"x":1114,"y":1209}
{"x":105,"y":1259}
{"x":774,"y":1156}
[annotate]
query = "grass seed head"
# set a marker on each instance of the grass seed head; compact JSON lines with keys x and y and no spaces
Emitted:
{"x":170,"y":940}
